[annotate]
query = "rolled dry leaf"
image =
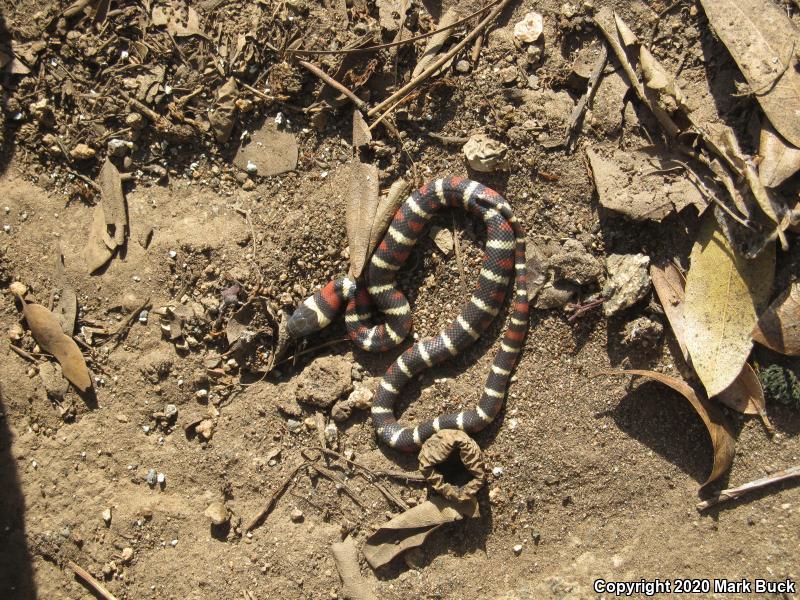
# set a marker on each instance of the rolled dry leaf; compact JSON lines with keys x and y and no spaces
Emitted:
{"x":46,"y":330}
{"x":437,"y":449}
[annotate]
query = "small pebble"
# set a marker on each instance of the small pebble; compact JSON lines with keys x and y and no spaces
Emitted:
{"x":217,"y":512}
{"x":143,"y":317}
{"x":127,"y":555}
{"x":107,"y":516}
{"x":310,"y":423}
{"x":518,"y":549}
{"x":152,"y":477}
{"x":170,"y":411}
{"x":497,"y":471}
{"x":296,"y":515}
{"x":161,"y":478}
{"x":173,"y":543}
{"x":462,"y":66}
{"x":252,"y":167}
{"x":293,"y":425}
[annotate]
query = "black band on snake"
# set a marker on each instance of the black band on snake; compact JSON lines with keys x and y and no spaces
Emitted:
{"x":504,"y":257}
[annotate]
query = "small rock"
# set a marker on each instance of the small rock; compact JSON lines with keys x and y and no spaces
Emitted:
{"x":463,"y":66}
{"x":161,"y":479}
{"x":508,"y":75}
{"x":331,"y":434}
{"x":82,"y":152}
{"x":170,"y":412}
{"x":205,"y":429}
{"x":629,"y":281}
{"x":573,"y":263}
{"x":642,"y":331}
{"x":107,"y":516}
{"x":18,"y":288}
{"x":518,"y":549}
{"x":443,"y":238}
{"x":361,"y":397}
{"x":485,"y":154}
{"x":293,"y":425}
{"x":118,"y":147}
{"x":530,"y":28}
{"x":122,"y":418}
{"x":296,"y":516}
{"x":249,"y":185}
{"x":310,"y":423}
{"x":497,"y":471}
{"x":152,"y":477}
{"x":127,"y":555}
{"x":324,"y":381}
{"x":217,"y":512}
{"x":555,"y":295}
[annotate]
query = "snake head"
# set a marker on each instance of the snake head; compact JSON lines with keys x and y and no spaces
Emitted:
{"x":303,"y":322}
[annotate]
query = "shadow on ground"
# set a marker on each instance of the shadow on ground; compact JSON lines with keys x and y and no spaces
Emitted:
{"x":16,"y":575}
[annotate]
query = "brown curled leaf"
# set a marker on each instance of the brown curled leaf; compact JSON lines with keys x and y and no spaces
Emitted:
{"x":669,"y":285}
{"x":47,"y":332}
{"x":779,"y":159}
{"x":778,"y":328}
{"x":409,"y":529}
{"x":745,"y":395}
{"x":716,"y":424}
{"x":441,"y":446}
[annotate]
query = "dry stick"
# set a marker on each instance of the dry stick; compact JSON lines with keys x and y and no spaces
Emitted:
{"x":733,"y":493}
{"x":24,"y":354}
{"x":400,"y":42}
{"x":333,"y":83}
{"x":91,"y":581}
{"x":328,"y":474}
{"x":580,"y":109}
{"x":369,"y":475}
{"x":275,"y":497}
{"x":441,"y":61}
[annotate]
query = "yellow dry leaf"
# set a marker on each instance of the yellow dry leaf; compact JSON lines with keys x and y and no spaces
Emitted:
{"x":724,"y":295}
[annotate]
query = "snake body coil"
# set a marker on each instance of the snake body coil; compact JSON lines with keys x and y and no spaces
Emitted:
{"x":504,"y":257}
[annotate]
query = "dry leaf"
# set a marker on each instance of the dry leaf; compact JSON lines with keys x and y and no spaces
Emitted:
{"x":627,"y":36}
{"x":745,"y":395}
{"x":113,"y":203}
{"x":223,"y":114}
{"x":724,"y":293}
{"x":779,"y":159}
{"x":716,"y":424}
{"x":361,"y":133}
{"x":435,"y":42}
{"x":354,"y":586}
{"x":443,"y":238}
{"x":669,"y":285}
{"x":361,"y":209}
{"x":762,"y":39}
{"x":46,"y":330}
{"x":97,"y":251}
{"x":410,"y":528}
{"x":179,"y":18}
{"x":779,"y":327}
{"x":387,"y":207}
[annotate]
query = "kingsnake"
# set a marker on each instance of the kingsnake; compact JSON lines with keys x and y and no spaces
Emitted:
{"x":504,"y":255}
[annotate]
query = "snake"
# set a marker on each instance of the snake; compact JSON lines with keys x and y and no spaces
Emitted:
{"x":377,"y":297}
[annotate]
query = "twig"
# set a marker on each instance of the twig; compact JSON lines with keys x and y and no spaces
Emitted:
{"x":360,"y":104}
{"x":582,"y":309}
{"x":307,"y":350}
{"x":400,"y":42}
{"x":24,"y":354}
{"x":273,"y":500}
{"x":370,"y":476}
{"x":579,"y":111}
{"x":455,"y":140}
{"x":91,"y":581}
{"x":441,"y":61}
{"x":119,"y":332}
{"x":733,"y":493}
{"x":328,"y":474}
